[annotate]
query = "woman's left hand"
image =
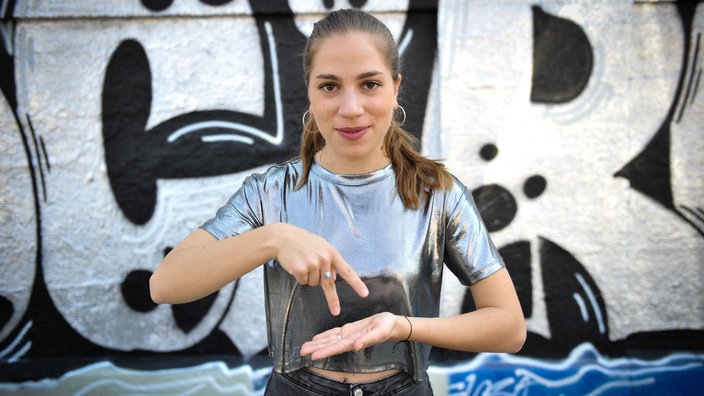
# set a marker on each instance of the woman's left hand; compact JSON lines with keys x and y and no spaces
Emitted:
{"x":357,"y":335}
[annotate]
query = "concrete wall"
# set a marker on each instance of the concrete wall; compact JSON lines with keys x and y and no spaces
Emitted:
{"x":578,"y":125}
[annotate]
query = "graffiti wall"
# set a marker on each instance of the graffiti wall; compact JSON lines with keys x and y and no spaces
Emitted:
{"x":579,"y":126}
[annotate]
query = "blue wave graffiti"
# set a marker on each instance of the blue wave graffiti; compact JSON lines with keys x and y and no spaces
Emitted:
{"x":584,"y":372}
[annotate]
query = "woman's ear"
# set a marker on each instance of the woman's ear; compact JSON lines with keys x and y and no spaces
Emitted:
{"x":397,"y":86}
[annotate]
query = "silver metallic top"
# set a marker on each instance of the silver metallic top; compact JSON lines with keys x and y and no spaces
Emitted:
{"x":398,"y":253}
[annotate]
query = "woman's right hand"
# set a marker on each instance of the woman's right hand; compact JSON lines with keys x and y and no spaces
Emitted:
{"x":307,"y":257}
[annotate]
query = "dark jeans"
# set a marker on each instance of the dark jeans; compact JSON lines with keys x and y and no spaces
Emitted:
{"x":306,"y":383}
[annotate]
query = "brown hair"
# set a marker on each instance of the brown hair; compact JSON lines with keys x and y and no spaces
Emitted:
{"x":416,"y":176}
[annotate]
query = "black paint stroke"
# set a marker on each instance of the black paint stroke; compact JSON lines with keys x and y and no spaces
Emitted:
{"x":562,"y":59}
{"x":649,"y":171}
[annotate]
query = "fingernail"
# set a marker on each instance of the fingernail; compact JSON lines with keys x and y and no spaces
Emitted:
{"x":365,"y":292}
{"x":335,"y":311}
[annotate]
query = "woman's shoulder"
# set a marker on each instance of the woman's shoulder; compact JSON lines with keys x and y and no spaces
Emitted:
{"x":277,"y":170}
{"x":455,"y":185}
{"x":274,"y":175}
{"x":456,"y":192}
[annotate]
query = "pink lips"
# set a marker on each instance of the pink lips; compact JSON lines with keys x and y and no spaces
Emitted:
{"x":352,"y":133}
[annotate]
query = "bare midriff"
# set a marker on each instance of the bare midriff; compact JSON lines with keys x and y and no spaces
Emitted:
{"x":354,"y":378}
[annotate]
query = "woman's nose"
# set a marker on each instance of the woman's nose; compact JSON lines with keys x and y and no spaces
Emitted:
{"x":351,"y":104}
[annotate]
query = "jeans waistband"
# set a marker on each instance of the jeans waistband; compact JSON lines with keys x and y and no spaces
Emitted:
{"x":308,"y":382}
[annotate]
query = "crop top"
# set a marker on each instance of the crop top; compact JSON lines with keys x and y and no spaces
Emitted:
{"x":397,"y":252}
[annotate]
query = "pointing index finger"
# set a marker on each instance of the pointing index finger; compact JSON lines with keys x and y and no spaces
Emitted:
{"x":331,"y":297}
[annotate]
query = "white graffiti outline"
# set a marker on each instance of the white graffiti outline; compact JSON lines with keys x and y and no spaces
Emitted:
{"x":15,"y":342}
{"x":275,"y":140}
{"x":592,"y":300}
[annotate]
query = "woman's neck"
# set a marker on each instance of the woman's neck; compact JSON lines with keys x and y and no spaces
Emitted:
{"x":350,"y":166}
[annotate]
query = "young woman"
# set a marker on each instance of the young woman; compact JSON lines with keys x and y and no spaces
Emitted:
{"x":353,"y":235}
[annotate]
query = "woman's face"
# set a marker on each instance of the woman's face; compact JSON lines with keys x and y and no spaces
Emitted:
{"x":353,"y":97}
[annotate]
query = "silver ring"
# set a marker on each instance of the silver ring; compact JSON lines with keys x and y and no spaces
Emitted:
{"x":327,"y":275}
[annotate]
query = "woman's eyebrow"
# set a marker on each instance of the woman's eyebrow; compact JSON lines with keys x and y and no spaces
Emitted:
{"x":368,"y":74}
{"x":359,"y":77}
{"x":327,"y":77}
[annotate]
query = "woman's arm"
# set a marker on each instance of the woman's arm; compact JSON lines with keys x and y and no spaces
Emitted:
{"x":201,"y":264}
{"x":496,"y":326}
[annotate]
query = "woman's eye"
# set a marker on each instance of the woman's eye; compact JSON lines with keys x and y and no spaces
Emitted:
{"x":327,"y":87}
{"x":371,"y":84}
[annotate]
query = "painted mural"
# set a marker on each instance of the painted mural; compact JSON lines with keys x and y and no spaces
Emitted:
{"x":579,"y":126}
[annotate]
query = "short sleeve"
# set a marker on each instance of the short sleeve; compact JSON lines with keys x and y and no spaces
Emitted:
{"x":240,"y":214}
{"x":469,"y":251}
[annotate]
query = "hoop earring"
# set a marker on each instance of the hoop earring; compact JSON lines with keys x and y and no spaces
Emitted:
{"x":403,"y":111}
{"x":310,"y":118}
